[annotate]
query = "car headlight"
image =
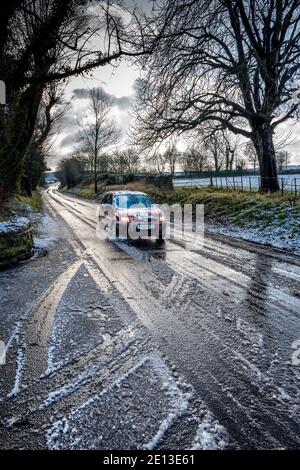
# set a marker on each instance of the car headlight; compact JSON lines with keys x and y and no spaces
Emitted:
{"x":125,"y":219}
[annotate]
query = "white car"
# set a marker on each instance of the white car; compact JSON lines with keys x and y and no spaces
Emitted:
{"x":131,"y":214}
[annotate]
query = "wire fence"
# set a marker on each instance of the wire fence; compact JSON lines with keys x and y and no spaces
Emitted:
{"x":287,"y":184}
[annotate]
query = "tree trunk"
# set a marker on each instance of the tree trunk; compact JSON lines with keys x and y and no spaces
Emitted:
{"x":95,"y":174}
{"x":216,"y":162}
{"x":95,"y":181}
{"x":19,"y":135}
{"x":227,"y":158}
{"x":231,"y":159}
{"x":262,"y":138}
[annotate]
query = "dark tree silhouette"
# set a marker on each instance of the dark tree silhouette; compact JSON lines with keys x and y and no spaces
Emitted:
{"x":51,"y":110}
{"x":51,"y":40}
{"x":70,"y":171}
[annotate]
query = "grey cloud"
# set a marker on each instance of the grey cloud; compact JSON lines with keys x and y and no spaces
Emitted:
{"x":70,"y":121}
{"x":70,"y":140}
{"x":83,"y":93}
{"x":124,"y":102}
{"x":80,"y":93}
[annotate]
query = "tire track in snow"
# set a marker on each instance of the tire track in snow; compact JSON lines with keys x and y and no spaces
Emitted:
{"x":125,"y":281}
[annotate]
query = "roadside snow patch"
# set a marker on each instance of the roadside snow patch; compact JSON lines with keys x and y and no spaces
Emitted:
{"x":277,"y":237}
{"x":14,"y":225}
{"x":47,"y":233}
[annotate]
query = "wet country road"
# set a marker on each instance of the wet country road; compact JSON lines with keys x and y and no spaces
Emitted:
{"x":139,"y":346}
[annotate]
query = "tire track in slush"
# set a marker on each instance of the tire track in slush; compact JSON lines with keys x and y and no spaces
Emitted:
{"x":85,"y":384}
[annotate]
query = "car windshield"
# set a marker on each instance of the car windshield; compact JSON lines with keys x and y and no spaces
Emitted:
{"x":129,"y":201}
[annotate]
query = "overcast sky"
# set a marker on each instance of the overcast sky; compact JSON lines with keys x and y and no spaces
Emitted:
{"x":118,"y":82}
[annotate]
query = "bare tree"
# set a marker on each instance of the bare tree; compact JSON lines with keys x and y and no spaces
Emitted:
{"x":218,"y":145}
{"x":48,"y":40}
{"x":231,"y":62}
{"x":171,"y":157}
{"x":85,"y":154}
{"x":194,"y":159}
{"x":117,"y":162}
{"x":30,"y":51}
{"x":100,"y":133}
{"x":156,"y":163}
{"x":51,"y":110}
{"x":71,"y":171}
{"x":214,"y":146}
{"x":230,"y":144}
{"x":53,"y":107}
{"x":125,"y":161}
{"x":131,"y":158}
{"x":282,"y":158}
{"x":240,"y":164}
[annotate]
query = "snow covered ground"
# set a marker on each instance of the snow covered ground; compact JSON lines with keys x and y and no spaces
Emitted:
{"x":14,"y":225}
{"x":125,"y":346}
{"x":114,"y":418}
{"x":246,"y":182}
{"x":273,"y":235}
{"x":46,"y":233}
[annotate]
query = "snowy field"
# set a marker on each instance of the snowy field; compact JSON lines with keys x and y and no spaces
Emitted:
{"x":245,"y":182}
{"x":276,"y":236}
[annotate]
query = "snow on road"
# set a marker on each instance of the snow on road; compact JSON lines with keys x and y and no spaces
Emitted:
{"x":123,"y":411}
{"x":47,"y":233}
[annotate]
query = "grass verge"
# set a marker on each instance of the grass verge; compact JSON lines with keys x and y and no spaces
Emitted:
{"x":227,"y":206}
{"x":86,"y":191}
{"x":34,"y":202}
{"x":242,"y":208}
{"x":21,"y":205}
